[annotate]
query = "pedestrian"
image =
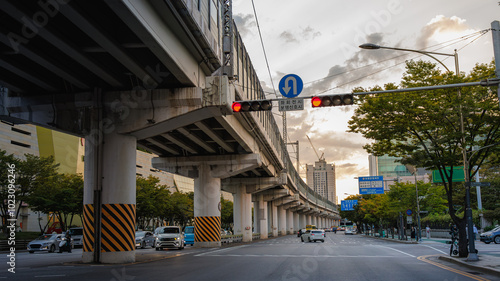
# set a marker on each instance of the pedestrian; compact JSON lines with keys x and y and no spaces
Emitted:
{"x":428,"y":232}
{"x":474,"y":229}
{"x":412,"y":233}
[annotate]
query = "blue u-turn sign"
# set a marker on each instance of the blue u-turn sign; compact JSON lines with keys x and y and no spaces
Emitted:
{"x":291,"y":85}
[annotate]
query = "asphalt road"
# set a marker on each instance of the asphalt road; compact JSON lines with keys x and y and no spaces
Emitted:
{"x":341,"y":257}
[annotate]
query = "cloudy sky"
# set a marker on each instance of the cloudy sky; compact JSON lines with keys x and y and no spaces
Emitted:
{"x":317,"y":40}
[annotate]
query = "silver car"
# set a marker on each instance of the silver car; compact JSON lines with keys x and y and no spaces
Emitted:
{"x":144,"y":239}
{"x":169,"y":237}
{"x":46,"y":242}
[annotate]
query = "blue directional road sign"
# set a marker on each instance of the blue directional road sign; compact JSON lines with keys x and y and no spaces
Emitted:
{"x":291,"y":86}
{"x":348,"y":205}
{"x":371,"y":185}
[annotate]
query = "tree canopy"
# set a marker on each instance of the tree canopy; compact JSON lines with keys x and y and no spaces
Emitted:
{"x":424,"y":127}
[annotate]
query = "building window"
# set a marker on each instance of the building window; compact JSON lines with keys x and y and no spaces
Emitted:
{"x":138,"y":166}
{"x":20,"y":144}
{"x":20,"y":131}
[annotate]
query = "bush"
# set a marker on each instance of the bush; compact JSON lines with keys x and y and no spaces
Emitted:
{"x":490,"y":227}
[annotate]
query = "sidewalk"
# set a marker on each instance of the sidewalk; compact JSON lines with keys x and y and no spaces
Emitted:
{"x":487,"y":263}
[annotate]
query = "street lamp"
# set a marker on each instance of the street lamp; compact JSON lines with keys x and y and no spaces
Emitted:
{"x":472,"y":249}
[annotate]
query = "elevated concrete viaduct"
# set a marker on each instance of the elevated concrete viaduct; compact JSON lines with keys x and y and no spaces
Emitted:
{"x":158,"y":75}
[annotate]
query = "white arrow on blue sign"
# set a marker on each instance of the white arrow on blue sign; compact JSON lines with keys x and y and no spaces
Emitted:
{"x":291,"y":86}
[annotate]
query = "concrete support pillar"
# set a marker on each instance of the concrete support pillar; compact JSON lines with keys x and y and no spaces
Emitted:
{"x":110,"y":179}
{"x":308,"y":219}
{"x":256,"y":221}
{"x":296,"y":221}
{"x":261,"y":219}
{"x":274,"y":221}
{"x":302,"y":221}
{"x":282,"y":220}
{"x":289,"y":222}
{"x":206,"y":209}
{"x":242,"y":213}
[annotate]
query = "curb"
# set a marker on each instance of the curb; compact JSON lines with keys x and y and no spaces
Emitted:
{"x":483,"y":269}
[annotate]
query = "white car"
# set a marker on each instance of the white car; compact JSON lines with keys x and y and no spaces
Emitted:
{"x":169,"y":237}
{"x":313,"y":236}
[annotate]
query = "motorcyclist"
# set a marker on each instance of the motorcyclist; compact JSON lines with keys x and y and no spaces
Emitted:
{"x":68,"y":241}
{"x":454,"y":232}
{"x":65,"y":244}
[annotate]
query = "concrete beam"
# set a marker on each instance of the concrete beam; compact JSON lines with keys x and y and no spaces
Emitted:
{"x":253,"y":185}
{"x":298,"y":208}
{"x":291,"y":206}
{"x":287,"y":200}
{"x":274,"y":194}
{"x":222,"y":166}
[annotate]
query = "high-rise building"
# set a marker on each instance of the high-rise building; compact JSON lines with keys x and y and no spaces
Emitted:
{"x":321,"y":177}
{"x":393,"y":171}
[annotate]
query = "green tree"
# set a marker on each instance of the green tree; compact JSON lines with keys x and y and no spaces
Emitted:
{"x":62,"y":195}
{"x":226,"y":213}
{"x":152,"y":201}
{"x":425,"y":126}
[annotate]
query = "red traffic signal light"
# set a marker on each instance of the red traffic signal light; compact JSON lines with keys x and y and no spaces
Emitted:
{"x":336,"y":100}
{"x":255,"y":105}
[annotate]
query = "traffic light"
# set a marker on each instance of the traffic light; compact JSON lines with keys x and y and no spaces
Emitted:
{"x":252,"y":105}
{"x":336,"y":100}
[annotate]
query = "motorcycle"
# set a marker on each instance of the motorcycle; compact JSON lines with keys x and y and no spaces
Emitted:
{"x":65,"y":245}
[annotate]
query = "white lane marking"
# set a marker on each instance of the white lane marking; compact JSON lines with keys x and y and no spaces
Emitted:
{"x":300,"y":256}
{"x":435,"y":249}
{"x":397,"y":251}
{"x":221,"y":250}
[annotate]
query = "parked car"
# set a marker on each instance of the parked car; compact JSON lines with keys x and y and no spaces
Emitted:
{"x":46,"y":242}
{"x":144,"y":239}
{"x":77,"y":236}
{"x":491,"y":236}
{"x":301,"y":231}
{"x":169,"y":237}
{"x":189,"y":235}
{"x":313,"y":236}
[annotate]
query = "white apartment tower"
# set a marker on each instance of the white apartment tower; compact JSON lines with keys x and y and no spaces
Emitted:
{"x":321,"y":177}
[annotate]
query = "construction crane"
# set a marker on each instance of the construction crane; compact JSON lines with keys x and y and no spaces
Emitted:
{"x":320,"y":158}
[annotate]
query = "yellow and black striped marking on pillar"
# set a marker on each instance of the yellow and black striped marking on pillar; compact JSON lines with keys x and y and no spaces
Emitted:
{"x":88,"y":228}
{"x":207,"y":229}
{"x":118,"y":231}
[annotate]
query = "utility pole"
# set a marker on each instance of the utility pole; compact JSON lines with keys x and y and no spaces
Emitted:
{"x":495,"y":31}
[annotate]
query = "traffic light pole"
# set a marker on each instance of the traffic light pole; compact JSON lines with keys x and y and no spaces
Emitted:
{"x":484,"y":83}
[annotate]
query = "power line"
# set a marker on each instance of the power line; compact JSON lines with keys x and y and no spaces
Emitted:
{"x":263,"y":49}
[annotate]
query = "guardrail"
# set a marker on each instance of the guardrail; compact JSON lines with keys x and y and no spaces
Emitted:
{"x":231,"y":238}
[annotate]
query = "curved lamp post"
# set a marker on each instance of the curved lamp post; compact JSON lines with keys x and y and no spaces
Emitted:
{"x":472,"y":248}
